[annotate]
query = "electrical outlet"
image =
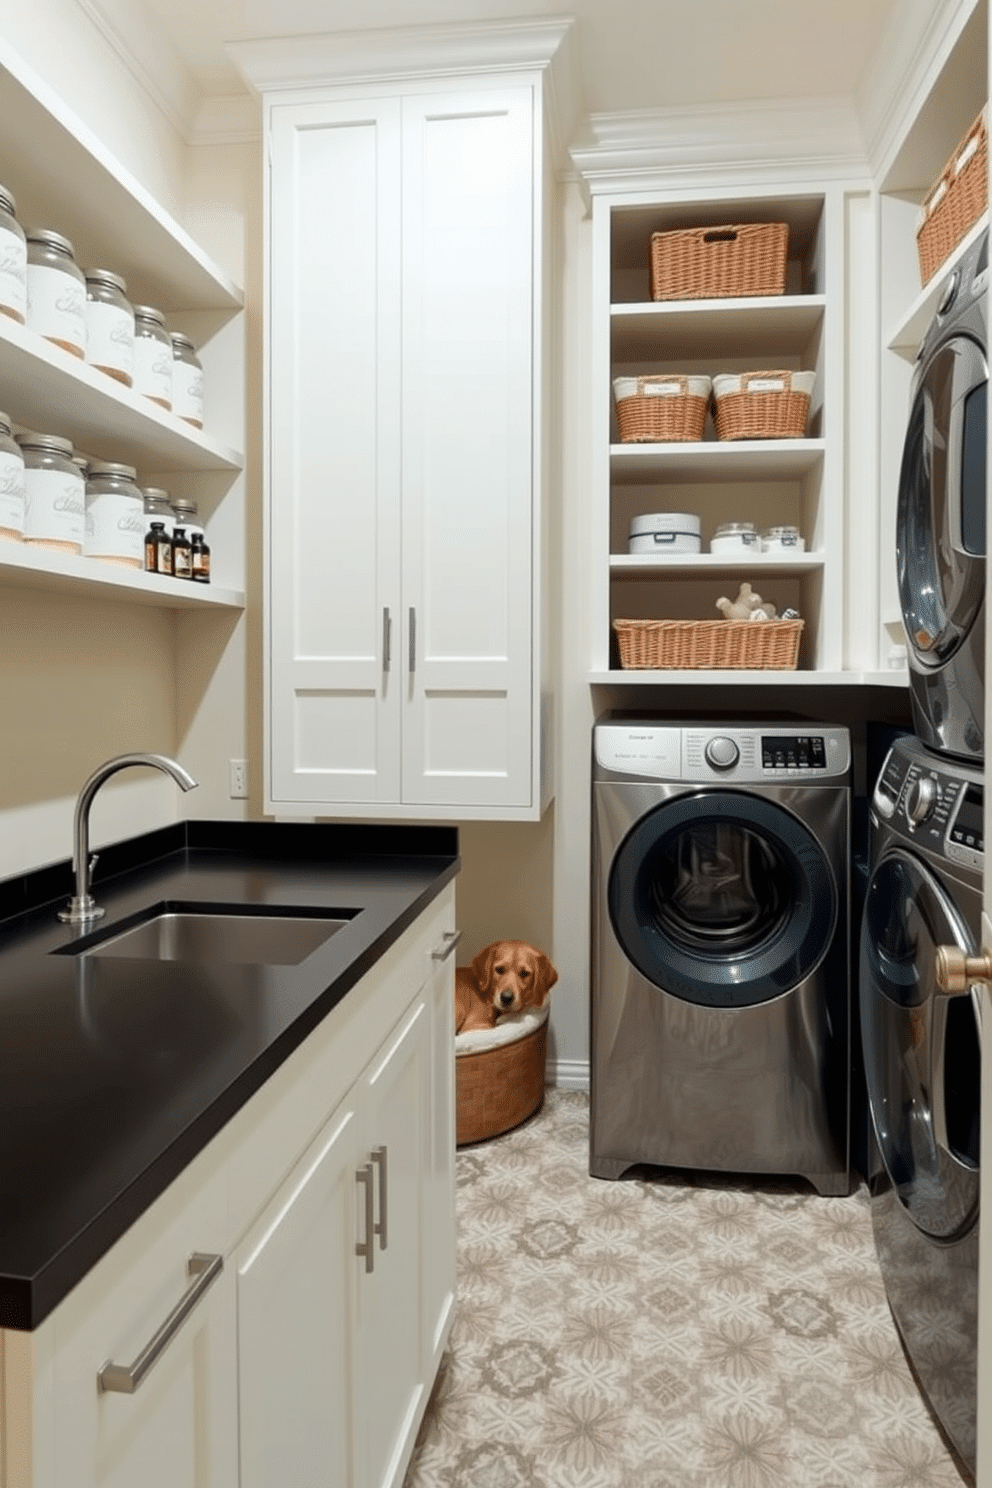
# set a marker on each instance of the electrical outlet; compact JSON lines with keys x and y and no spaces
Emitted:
{"x":239,"y":780}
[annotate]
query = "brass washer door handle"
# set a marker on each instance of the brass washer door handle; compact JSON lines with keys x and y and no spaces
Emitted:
{"x":956,"y":972}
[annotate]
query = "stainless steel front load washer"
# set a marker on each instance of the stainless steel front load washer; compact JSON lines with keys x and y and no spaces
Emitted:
{"x":940,"y":518}
{"x":720,"y":954}
{"x":922,"y":1054}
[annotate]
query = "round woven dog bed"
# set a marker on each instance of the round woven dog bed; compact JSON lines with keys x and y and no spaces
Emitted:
{"x":499,"y":1075}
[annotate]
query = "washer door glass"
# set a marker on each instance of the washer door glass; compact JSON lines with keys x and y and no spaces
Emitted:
{"x":940,"y":522}
{"x":722,"y":899}
{"x":921,"y":1050}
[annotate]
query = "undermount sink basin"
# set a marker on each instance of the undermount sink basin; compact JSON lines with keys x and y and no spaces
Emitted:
{"x":180,"y":932}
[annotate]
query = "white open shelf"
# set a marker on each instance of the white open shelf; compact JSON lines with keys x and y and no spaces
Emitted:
{"x":705,"y":328}
{"x":23,"y":566}
{"x":740,"y":676}
{"x":715,"y":460}
{"x":907,"y":334}
{"x":644,"y":565}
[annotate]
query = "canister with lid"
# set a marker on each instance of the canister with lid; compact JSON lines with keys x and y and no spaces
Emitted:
{"x":115,"y":515}
{"x":158,"y":509}
{"x":184,"y":510}
{"x":786,"y":539}
{"x":664,"y":532}
{"x":187,"y":380}
{"x":13,"y":260}
{"x":56,"y":303}
{"x":55,"y":499}
{"x":109,"y":325}
{"x":735,"y":537}
{"x":11,"y":484}
{"x":152,"y":356}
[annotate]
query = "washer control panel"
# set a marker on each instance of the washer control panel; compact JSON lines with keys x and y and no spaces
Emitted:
{"x":935,"y":803}
{"x":722,"y":752}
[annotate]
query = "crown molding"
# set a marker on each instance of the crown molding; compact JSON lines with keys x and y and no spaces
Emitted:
{"x":149,"y":57}
{"x":809,"y":138}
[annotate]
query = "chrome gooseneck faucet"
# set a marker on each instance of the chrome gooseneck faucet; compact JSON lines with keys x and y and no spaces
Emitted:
{"x":81,"y":908}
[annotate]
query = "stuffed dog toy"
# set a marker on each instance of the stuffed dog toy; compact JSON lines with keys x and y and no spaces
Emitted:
{"x":506,"y":977}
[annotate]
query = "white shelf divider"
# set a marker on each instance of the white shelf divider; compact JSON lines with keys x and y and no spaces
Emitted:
{"x":714,"y":460}
{"x":738,"y":676}
{"x":644,"y":565}
{"x":906,"y":336}
{"x":23,"y":566}
{"x":707,"y":327}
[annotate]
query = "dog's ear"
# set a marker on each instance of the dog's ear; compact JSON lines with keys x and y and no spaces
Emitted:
{"x":546,"y":975}
{"x":482,"y":967}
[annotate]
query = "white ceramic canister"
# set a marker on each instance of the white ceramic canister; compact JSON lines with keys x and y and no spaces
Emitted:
{"x":735,"y":538}
{"x":115,"y":515}
{"x":187,"y":380}
{"x":661,"y":533}
{"x":784,"y":539}
{"x":12,"y":499}
{"x":109,"y":325}
{"x":55,"y":494}
{"x":56,"y":307}
{"x":13,"y":261}
{"x":152,"y":356}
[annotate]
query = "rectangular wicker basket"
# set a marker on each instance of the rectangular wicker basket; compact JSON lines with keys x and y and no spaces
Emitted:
{"x":956,"y":200}
{"x":689,"y":645}
{"x":761,"y":405}
{"x":703,"y":263}
{"x":664,"y":407}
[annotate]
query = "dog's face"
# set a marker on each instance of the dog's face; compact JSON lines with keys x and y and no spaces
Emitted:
{"x":512,"y":975}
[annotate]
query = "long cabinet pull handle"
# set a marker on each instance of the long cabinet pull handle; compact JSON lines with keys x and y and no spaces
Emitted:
{"x":124,"y":1379}
{"x":387,"y":629}
{"x":451,"y":939}
{"x":413,"y":639}
{"x":366,"y":1247}
{"x":382,"y":1226}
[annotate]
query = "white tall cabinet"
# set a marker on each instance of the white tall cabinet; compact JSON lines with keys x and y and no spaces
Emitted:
{"x":406,"y":340}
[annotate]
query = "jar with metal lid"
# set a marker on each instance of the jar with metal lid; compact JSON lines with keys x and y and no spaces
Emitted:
{"x":735,"y":537}
{"x":152,"y":356}
{"x":55,"y":494}
{"x":115,"y":515}
{"x":158,"y":508}
{"x":184,"y":510}
{"x":11,"y":484}
{"x":56,"y":306}
{"x":13,"y":260}
{"x":187,"y":380}
{"x":785,"y":539}
{"x":109,"y":325}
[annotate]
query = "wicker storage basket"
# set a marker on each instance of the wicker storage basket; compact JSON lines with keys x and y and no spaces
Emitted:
{"x":668,"y":406}
{"x":703,"y":263}
{"x":762,"y":405}
{"x":956,"y":200}
{"x":760,"y":645}
{"x":499,"y":1087}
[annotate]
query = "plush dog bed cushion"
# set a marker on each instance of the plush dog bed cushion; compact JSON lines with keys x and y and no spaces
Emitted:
{"x":499,"y":1075}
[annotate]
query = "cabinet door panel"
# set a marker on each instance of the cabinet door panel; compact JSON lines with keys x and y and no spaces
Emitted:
{"x":467,"y":473}
{"x":439,"y":1269}
{"x":333,"y":332}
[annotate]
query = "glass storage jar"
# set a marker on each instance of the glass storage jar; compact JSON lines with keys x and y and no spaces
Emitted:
{"x":13,"y":260}
{"x":158,"y":509}
{"x":11,"y":484}
{"x":735,"y":537}
{"x":786,"y":539}
{"x":152,"y":356}
{"x":56,"y":305}
{"x":55,"y":503}
{"x":184,"y":510}
{"x":187,"y":380}
{"x":109,"y":325}
{"x":115,"y":515}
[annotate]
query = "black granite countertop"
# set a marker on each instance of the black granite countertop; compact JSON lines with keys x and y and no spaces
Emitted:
{"x":115,"y":1073}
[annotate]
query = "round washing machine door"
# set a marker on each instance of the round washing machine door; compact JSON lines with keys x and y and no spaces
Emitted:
{"x":722,"y":899}
{"x":940,"y":520}
{"x":922,"y":1051}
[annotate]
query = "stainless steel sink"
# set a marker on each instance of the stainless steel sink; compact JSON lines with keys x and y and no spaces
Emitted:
{"x":234,"y":937}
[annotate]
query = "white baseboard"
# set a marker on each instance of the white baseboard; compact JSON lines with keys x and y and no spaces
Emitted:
{"x":568,"y":1074}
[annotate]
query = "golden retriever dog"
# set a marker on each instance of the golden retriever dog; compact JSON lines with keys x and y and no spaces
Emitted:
{"x":506,"y":977}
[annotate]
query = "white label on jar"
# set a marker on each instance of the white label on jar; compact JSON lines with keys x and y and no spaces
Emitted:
{"x":109,"y":337}
{"x":115,"y":526}
{"x":13,"y":272}
{"x":187,"y":391}
{"x":11,"y":492}
{"x":153,"y":369}
{"x":56,"y":306}
{"x":55,"y":506}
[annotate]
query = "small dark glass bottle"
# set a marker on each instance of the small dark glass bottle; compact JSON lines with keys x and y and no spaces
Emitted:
{"x":182,"y":555}
{"x":158,"y":549}
{"x":200,"y":555}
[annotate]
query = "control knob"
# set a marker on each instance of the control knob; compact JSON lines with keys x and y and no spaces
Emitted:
{"x":722,"y":753}
{"x":921,"y":798}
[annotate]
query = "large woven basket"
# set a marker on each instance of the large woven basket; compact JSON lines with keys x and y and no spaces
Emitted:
{"x":955,"y":201}
{"x":498,"y":1088}
{"x":668,"y":406}
{"x":759,"y":645}
{"x":761,"y":405}
{"x":703,"y":263}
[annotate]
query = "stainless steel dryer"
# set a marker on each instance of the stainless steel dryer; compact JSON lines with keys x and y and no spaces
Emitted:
{"x":720,"y":949}
{"x":922,"y":1054}
{"x":940,"y":520}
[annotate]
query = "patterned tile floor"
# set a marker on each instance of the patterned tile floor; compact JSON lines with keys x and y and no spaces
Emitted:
{"x":660,"y":1332}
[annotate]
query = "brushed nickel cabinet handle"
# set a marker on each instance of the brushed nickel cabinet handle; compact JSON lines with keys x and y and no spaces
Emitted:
{"x":124,"y":1379}
{"x":366,"y":1247}
{"x":387,"y":630}
{"x":451,"y":939}
{"x":381,"y":1227}
{"x":413,"y":639}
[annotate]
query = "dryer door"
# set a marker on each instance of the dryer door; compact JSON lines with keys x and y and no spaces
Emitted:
{"x":921,"y":1050}
{"x":722,"y":899}
{"x":940,"y":521}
